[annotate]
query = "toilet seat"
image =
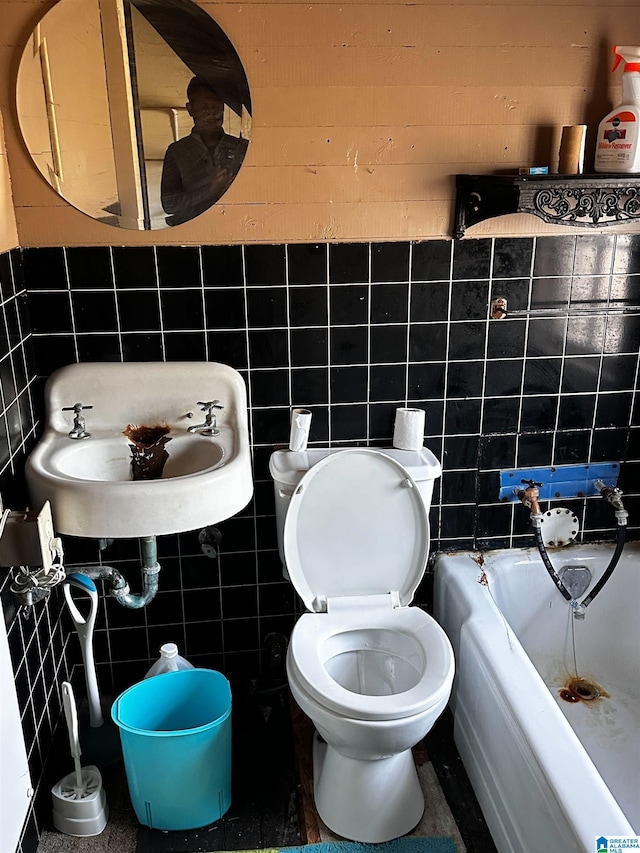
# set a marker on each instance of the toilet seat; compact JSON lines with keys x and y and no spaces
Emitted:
{"x":356,"y":542}
{"x":416,"y":634}
{"x":356,"y":525}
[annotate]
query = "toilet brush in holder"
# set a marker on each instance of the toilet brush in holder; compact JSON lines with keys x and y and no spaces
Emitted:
{"x":79,"y":801}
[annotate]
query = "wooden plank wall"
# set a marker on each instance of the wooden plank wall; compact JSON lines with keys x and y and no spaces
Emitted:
{"x":8,"y":231}
{"x":364,"y":112}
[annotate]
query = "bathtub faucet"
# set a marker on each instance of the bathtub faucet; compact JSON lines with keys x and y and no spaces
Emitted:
{"x":530,"y":495}
{"x":614,"y":496}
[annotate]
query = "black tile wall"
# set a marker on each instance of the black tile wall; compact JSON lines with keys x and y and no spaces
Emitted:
{"x":351,"y":331}
{"x":39,"y":646}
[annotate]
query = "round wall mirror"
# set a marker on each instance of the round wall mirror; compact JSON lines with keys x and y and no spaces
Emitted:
{"x":137,"y":112}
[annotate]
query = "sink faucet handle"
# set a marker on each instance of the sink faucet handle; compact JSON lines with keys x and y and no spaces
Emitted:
{"x":207,"y":407}
{"x":79,"y":426}
{"x":209,"y":427}
{"x":531,"y":483}
{"x":77,"y":408}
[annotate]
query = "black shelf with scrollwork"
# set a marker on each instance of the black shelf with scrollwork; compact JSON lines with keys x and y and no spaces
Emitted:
{"x":585,"y":201}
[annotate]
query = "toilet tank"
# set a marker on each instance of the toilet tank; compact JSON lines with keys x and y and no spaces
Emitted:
{"x":288,"y":467}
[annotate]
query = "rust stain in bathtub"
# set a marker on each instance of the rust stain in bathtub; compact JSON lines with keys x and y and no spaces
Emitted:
{"x":478,"y":559}
{"x":578,"y":689}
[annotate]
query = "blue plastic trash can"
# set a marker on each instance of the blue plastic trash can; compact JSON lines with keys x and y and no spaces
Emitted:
{"x":175,"y":730}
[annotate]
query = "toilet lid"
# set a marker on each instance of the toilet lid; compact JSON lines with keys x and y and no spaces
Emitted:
{"x":356,"y":525}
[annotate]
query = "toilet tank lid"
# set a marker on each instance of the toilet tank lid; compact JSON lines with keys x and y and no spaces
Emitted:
{"x":289,"y":467}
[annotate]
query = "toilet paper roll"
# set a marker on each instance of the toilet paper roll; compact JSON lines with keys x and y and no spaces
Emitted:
{"x":408,"y":430}
{"x":300,"y":426}
{"x":571,"y":157}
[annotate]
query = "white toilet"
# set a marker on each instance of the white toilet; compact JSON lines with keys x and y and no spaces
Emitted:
{"x":372,"y":673}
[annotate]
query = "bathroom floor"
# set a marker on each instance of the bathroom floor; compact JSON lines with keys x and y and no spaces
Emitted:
{"x":271,"y":801}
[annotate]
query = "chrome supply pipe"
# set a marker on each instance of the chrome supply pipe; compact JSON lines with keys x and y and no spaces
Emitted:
{"x":117,"y":584}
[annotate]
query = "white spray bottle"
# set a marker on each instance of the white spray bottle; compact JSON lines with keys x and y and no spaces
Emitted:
{"x":618,"y":144}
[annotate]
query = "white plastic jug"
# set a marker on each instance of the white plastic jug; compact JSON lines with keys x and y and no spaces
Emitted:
{"x":169,"y":661}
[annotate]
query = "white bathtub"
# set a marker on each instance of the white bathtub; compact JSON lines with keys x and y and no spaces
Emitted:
{"x":550,"y":775}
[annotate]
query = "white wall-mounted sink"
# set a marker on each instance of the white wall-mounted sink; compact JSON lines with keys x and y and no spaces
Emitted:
{"x":89,"y":481}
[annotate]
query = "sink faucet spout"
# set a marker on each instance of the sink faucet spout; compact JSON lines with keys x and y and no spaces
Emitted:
{"x":209,"y":427}
{"x":79,"y":425}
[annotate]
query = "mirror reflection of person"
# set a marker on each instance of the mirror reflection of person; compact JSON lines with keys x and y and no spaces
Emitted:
{"x":199,"y":168}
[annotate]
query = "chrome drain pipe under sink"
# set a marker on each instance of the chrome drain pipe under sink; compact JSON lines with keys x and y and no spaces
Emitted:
{"x":117,"y":584}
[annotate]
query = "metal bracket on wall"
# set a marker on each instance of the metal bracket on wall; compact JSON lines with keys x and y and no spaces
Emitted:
{"x":560,"y":481}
